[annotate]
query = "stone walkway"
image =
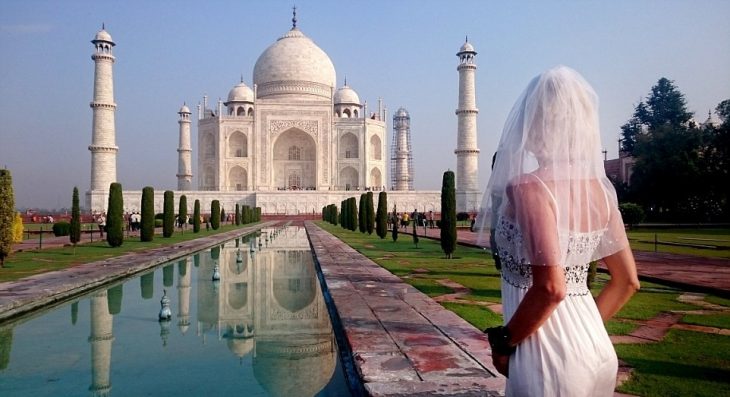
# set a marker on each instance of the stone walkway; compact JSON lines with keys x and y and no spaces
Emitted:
{"x":402,"y":342}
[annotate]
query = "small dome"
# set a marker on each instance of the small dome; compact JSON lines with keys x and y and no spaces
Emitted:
{"x":346,"y":95}
{"x":294,"y":65}
{"x":240,"y":93}
{"x":240,"y":347}
{"x":103,"y":35}
{"x":184,"y":109}
{"x":401,"y":112}
{"x":467,"y":47}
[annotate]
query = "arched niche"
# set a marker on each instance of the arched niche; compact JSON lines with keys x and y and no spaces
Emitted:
{"x":376,"y":148}
{"x":376,"y":178}
{"x":294,"y":160}
{"x":237,"y":145}
{"x":349,"y":178}
{"x":349,"y":146}
{"x":237,"y":179}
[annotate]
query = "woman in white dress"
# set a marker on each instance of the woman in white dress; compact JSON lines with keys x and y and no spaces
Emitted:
{"x":553,"y":211}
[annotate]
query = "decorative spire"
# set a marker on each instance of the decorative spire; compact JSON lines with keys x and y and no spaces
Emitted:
{"x":241,"y":77}
{"x":345,"y":80}
{"x":294,"y":17}
{"x":466,"y":39}
{"x":102,"y":26}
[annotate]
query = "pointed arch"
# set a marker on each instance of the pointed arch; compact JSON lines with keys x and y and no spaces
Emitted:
{"x":349,"y":148}
{"x":376,"y":148}
{"x":237,"y":145}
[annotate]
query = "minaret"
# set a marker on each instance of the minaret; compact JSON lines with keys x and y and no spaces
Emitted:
{"x":401,"y":155}
{"x":103,"y":147}
{"x":467,"y":153}
{"x":101,"y":339}
{"x":184,"y":162}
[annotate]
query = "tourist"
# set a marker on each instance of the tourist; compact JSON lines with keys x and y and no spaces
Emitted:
{"x":557,"y":212}
{"x":101,"y":221}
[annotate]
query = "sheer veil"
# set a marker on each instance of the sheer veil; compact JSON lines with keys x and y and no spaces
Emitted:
{"x":550,"y":149}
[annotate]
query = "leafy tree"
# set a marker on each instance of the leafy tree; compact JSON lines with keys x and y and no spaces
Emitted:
{"x":168,"y":208}
{"x":382,"y":218}
{"x":196,"y":216}
{"x":114,"y":216}
{"x":7,"y":212}
{"x":182,"y":210}
{"x":361,"y":217}
{"x":369,"y":213}
{"x":448,"y":214}
{"x":665,"y":105}
{"x":215,"y":214}
{"x":75,"y":235}
{"x":147,"y":228}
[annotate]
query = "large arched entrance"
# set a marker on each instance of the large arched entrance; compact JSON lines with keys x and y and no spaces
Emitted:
{"x":349,"y":178}
{"x":295,"y":161}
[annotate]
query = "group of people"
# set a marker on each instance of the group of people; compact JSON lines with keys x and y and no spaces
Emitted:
{"x":404,"y":219}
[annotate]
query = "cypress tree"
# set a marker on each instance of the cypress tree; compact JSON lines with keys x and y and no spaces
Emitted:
{"x":394,"y":232}
{"x":258,"y":214}
{"x":114,"y":216}
{"x":345,"y":214}
{"x":353,"y":214}
{"x":334,"y":214}
{"x":415,"y":233}
{"x":7,"y":212}
{"x":75,"y":234}
{"x":182,"y":211}
{"x":382,"y":218}
{"x":196,"y":216}
{"x":245,"y":215}
{"x":369,"y":213}
{"x":147,"y":229}
{"x":448,"y":214}
{"x":238,"y":215}
{"x":223,"y":215}
{"x":361,"y":217}
{"x":168,"y":220}
{"x":215,"y":214}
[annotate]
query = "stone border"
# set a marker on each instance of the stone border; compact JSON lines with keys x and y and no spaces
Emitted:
{"x":21,"y":297}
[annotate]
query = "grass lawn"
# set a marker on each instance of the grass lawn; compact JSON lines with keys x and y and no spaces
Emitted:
{"x":643,"y":239}
{"x":684,"y":363}
{"x":28,"y":263}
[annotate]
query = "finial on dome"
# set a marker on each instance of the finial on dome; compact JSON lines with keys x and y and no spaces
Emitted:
{"x":294,"y":17}
{"x":102,"y":26}
{"x":345,"y":81}
{"x":241,"y":77}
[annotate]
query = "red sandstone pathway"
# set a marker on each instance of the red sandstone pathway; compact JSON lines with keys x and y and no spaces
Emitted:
{"x":709,"y":274}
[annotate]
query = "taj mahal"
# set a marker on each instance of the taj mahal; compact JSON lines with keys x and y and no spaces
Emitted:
{"x":292,"y":141}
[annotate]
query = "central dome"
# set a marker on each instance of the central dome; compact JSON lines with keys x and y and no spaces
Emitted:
{"x":294,"y":65}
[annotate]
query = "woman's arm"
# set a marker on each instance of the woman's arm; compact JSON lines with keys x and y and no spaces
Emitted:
{"x":536,"y":216}
{"x":623,"y":283}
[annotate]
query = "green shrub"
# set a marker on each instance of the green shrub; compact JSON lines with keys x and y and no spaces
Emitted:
{"x":160,"y":215}
{"x":448,"y":214}
{"x":632,"y":213}
{"x":196,"y":216}
{"x":147,"y":228}
{"x":159,"y":223}
{"x":168,"y":221}
{"x":61,"y":228}
{"x":215,"y":214}
{"x":114,"y":216}
{"x":462,"y":216}
{"x":382,"y":217}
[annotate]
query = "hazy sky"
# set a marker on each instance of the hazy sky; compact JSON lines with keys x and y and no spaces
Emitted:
{"x":170,"y":52}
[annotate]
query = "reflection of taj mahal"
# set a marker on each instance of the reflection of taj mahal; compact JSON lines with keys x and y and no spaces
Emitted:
{"x":291,"y":142}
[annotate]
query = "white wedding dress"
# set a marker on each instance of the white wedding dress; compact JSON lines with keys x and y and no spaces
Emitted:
{"x":571,"y":353}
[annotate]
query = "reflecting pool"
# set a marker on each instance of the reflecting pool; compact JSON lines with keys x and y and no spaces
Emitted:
{"x":262,"y":330}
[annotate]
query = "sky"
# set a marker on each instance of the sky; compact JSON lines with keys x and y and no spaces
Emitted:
{"x":171,"y":52}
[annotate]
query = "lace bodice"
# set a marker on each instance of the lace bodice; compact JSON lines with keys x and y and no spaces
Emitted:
{"x":516,"y":269}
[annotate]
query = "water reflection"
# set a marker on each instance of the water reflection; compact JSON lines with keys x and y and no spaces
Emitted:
{"x":267,"y":310}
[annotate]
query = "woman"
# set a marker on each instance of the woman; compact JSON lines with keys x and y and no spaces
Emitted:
{"x":555,"y":212}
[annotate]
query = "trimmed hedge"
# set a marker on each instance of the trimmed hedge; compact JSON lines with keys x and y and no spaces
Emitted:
{"x":61,"y":228}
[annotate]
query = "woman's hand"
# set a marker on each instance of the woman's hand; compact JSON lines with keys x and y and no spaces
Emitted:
{"x":501,"y":363}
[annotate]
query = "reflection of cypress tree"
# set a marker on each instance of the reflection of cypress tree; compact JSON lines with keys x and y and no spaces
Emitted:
{"x":182,"y":270}
{"x":215,"y":253}
{"x":147,"y":285}
{"x":114,"y":299}
{"x":6,"y":343}
{"x":196,"y":260}
{"x":168,"y":273}
{"x":236,"y":243}
{"x":74,"y":312}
